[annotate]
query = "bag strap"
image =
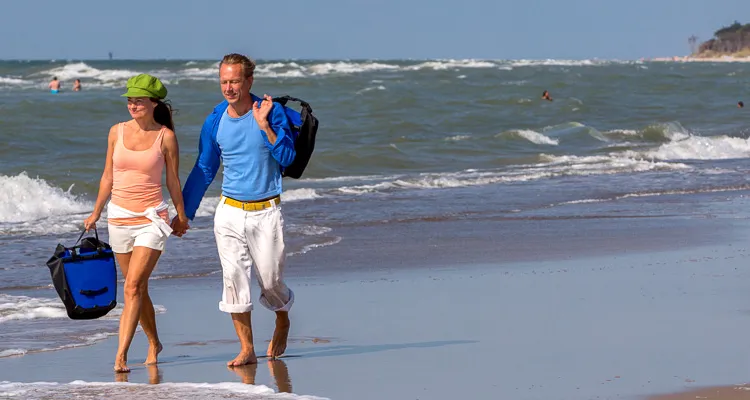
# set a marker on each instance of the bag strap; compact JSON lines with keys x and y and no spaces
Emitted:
{"x":96,"y":234}
{"x":284,"y":99}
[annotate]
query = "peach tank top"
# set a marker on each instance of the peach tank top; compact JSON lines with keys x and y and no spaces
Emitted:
{"x":136,"y":179}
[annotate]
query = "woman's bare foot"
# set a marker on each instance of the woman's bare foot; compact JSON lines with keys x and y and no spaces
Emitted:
{"x":244,"y":358}
{"x":153,"y":353}
{"x":121,"y":364}
{"x":280,"y":335}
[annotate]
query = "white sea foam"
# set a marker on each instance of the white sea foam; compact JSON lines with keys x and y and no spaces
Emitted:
{"x":658,"y":193}
{"x":194,"y":70}
{"x":537,"y":138}
{"x":451,"y":64}
{"x":456,"y":138}
{"x":16,"y":308}
{"x":38,"y":318}
{"x":80,"y":70}
{"x":551,"y":167}
{"x":553,"y":62}
{"x":25,"y":308}
{"x":700,"y":148}
{"x":343,"y":67}
{"x":367,"y":89}
{"x":126,"y":391}
{"x":312,"y":246}
{"x":32,"y":205}
{"x":8,"y":81}
{"x":626,"y":132}
{"x":208,"y":205}
{"x":309,"y":230}
{"x":299,"y":194}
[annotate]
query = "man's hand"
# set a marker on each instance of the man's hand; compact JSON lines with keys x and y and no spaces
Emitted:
{"x":260,"y":112}
{"x":180,"y":225}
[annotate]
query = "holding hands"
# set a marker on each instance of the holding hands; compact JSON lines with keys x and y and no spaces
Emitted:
{"x":180,"y":225}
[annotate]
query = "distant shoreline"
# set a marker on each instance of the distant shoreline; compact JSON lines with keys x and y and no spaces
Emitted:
{"x":715,"y":59}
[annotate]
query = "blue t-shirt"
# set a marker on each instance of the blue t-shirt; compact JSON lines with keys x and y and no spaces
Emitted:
{"x":252,"y":165}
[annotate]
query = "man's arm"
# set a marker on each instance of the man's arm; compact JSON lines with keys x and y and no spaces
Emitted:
{"x":205,"y":168}
{"x":277,"y":136}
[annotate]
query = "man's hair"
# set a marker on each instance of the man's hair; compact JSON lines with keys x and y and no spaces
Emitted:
{"x":248,"y":65}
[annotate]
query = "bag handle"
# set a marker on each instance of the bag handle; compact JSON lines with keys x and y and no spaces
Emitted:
{"x":284,"y":99}
{"x":96,"y":234}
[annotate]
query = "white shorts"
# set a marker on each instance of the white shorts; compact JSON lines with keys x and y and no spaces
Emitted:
{"x":123,"y":238}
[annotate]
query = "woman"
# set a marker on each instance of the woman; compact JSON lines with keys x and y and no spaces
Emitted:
{"x":138,"y":216}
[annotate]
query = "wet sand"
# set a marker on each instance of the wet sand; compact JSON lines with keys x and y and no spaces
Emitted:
{"x":626,"y":325}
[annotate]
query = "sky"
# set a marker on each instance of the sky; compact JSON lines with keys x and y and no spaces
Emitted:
{"x":357,"y":29}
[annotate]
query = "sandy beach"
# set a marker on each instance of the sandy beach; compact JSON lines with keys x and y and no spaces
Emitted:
{"x":628,"y":324}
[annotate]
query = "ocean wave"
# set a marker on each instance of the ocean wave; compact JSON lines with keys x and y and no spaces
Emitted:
{"x":531,"y":136}
{"x":699,"y":148}
{"x":370,"y":88}
{"x":24,"y":308}
{"x":126,"y":391}
{"x":551,"y":167}
{"x":45,"y":328}
{"x":93,"y":77}
{"x":657,"y":193}
{"x":31,"y":205}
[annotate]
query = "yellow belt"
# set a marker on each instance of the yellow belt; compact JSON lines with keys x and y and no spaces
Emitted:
{"x":253,"y":205}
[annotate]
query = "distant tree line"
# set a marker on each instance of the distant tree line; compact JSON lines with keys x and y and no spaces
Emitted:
{"x":732,"y":39}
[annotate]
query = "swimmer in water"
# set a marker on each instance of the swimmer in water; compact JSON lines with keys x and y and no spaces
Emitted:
{"x":54,"y":85}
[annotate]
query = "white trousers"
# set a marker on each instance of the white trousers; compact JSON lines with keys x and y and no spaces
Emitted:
{"x":247,"y":239}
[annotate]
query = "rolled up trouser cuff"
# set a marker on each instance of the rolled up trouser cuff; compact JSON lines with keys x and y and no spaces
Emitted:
{"x":285,"y":308}
{"x":235,"y":308}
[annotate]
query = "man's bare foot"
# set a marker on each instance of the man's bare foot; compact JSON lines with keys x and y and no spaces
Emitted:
{"x":244,"y":358}
{"x":280,"y":335}
{"x":121,"y":364}
{"x":153,"y":353}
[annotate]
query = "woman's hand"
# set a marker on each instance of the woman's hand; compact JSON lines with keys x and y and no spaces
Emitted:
{"x":180,"y":225}
{"x":90,"y":222}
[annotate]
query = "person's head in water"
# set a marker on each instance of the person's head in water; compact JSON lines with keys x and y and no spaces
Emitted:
{"x":546,"y":96}
{"x":146,"y":96}
{"x":740,"y":104}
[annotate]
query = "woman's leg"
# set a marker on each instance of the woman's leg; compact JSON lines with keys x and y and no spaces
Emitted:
{"x":147,"y":316}
{"x":141,"y":264}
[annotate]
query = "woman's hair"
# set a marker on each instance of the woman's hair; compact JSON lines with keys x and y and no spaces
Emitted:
{"x":163,"y":113}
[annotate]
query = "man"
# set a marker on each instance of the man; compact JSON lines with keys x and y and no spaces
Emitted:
{"x":251,"y":137}
{"x":54,"y":85}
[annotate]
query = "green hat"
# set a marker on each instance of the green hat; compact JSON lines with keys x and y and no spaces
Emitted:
{"x":145,"y":85}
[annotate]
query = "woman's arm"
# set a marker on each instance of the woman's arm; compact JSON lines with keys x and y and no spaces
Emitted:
{"x":105,"y":183}
{"x":171,"y":150}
